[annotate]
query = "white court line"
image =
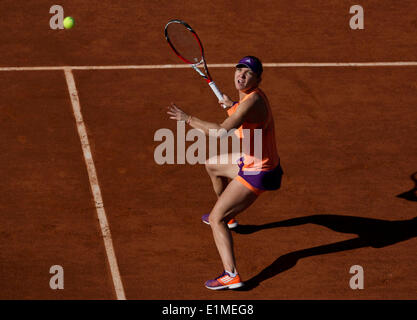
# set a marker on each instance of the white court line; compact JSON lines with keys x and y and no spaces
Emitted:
{"x":218,"y":65}
{"x":95,"y":188}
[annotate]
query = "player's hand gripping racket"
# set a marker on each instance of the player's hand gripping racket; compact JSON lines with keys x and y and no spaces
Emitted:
{"x":184,"y":41}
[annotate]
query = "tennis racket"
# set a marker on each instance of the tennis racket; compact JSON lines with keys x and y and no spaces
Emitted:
{"x":186,"y":44}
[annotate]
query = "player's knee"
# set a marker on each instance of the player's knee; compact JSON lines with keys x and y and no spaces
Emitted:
{"x":217,"y":219}
{"x":214,"y":219}
{"x":210,"y":167}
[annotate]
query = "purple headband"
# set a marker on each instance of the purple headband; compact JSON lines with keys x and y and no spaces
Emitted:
{"x":252,"y":63}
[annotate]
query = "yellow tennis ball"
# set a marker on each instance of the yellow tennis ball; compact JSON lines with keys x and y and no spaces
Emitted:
{"x":68,"y":22}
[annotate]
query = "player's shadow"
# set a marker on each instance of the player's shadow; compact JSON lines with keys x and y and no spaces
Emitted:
{"x":370,"y":232}
{"x":410,"y":195}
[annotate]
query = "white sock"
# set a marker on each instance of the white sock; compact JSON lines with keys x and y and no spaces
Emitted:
{"x":231,"y":274}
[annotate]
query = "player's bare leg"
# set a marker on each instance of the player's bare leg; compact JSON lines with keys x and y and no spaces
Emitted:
{"x":221,"y":173}
{"x":233,"y":200}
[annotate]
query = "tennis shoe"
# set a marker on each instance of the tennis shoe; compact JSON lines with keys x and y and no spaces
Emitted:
{"x":224,"y":281}
{"x":232,"y":223}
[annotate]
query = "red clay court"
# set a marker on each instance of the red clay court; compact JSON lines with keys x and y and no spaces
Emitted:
{"x":80,"y":187}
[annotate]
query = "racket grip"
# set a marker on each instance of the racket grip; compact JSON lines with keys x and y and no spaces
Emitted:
{"x":216,"y":91}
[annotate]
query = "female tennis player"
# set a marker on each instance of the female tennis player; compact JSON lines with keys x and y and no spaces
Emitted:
{"x":237,"y":185}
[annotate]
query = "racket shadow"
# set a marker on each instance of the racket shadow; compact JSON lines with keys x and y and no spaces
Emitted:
{"x":370,"y":232}
{"x":410,"y":195}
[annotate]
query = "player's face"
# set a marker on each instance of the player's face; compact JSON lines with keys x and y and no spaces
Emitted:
{"x":246,"y":79}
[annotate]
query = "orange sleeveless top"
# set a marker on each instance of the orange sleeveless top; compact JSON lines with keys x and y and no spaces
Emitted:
{"x":267,"y":158}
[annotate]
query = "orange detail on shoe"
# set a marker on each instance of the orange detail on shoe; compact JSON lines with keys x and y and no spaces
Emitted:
{"x":228,"y":280}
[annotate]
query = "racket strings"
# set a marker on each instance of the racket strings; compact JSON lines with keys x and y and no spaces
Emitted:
{"x":184,"y":42}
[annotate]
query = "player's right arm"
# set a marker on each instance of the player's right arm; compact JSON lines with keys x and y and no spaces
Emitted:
{"x":253,"y":109}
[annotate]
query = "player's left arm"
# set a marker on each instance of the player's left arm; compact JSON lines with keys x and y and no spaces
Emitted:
{"x":209,"y":128}
{"x":179,"y":115}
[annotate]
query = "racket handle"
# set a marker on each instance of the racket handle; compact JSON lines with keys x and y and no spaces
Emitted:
{"x":217,"y":92}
